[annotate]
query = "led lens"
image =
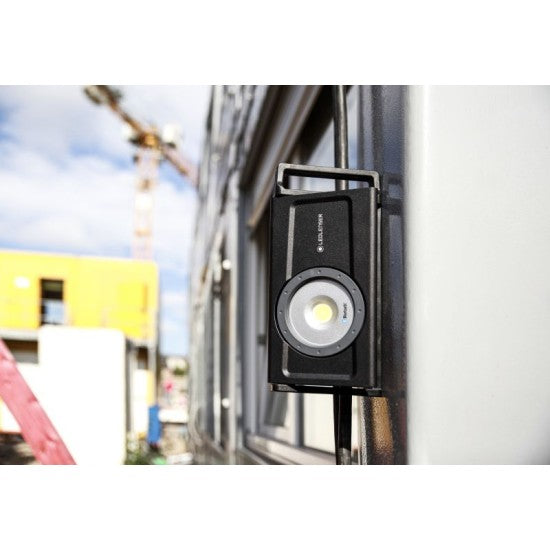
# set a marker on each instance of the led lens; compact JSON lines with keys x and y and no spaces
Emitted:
{"x":322,"y":312}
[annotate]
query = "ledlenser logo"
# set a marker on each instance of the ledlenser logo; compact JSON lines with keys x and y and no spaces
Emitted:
{"x":320,"y":241}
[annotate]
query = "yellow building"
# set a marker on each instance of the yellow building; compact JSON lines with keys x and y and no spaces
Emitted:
{"x":38,"y":289}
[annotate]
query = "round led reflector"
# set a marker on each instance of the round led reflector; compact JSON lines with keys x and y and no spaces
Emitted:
{"x":320,"y":311}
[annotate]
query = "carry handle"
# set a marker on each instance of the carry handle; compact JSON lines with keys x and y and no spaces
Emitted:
{"x":324,"y":172}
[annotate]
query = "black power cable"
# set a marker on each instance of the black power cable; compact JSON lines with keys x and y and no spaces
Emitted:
{"x":341,"y":402}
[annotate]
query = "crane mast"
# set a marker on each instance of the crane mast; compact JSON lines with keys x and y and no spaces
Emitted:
{"x":151,"y":150}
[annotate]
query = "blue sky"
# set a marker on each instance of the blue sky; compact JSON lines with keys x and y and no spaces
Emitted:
{"x":67,"y":182}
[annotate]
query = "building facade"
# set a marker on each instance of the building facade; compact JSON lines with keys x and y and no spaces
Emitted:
{"x":464,"y":274}
{"x":251,"y":129}
{"x":79,"y":291}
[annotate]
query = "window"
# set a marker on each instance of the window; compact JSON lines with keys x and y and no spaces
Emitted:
{"x":317,"y":409}
{"x":316,"y":143}
{"x":301,"y":420}
{"x":218,"y":382}
{"x":142,"y":358}
{"x":276,"y":411}
{"x":208,"y":418}
{"x":224,"y":322}
{"x":52,"y":307}
{"x":23,"y":351}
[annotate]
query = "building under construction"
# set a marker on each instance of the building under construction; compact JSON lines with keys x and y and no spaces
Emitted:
{"x":84,"y":332}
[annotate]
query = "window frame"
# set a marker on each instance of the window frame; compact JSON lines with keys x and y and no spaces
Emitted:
{"x":259,"y":436}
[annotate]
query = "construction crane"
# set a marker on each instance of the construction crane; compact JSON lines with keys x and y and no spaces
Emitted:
{"x":152,"y":148}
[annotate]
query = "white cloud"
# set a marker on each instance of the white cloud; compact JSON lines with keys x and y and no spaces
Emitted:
{"x":87,"y":206}
{"x":58,"y":120}
{"x":84,"y":206}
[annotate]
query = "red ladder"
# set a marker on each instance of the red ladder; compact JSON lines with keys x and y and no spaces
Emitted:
{"x":36,"y":427}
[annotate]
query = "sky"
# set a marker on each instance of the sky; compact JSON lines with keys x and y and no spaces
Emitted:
{"x":67,"y":182}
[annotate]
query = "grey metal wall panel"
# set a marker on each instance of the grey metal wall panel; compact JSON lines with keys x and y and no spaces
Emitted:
{"x":478,"y":274}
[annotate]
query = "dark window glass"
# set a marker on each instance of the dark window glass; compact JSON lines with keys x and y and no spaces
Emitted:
{"x":316,"y":144}
{"x":23,"y":351}
{"x":52,"y":307}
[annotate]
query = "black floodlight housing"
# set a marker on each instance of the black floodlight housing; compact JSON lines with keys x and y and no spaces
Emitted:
{"x":323,"y":284}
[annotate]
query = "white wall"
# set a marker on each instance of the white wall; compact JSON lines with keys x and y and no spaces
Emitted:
{"x":82,"y":390}
{"x":478,"y":274}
